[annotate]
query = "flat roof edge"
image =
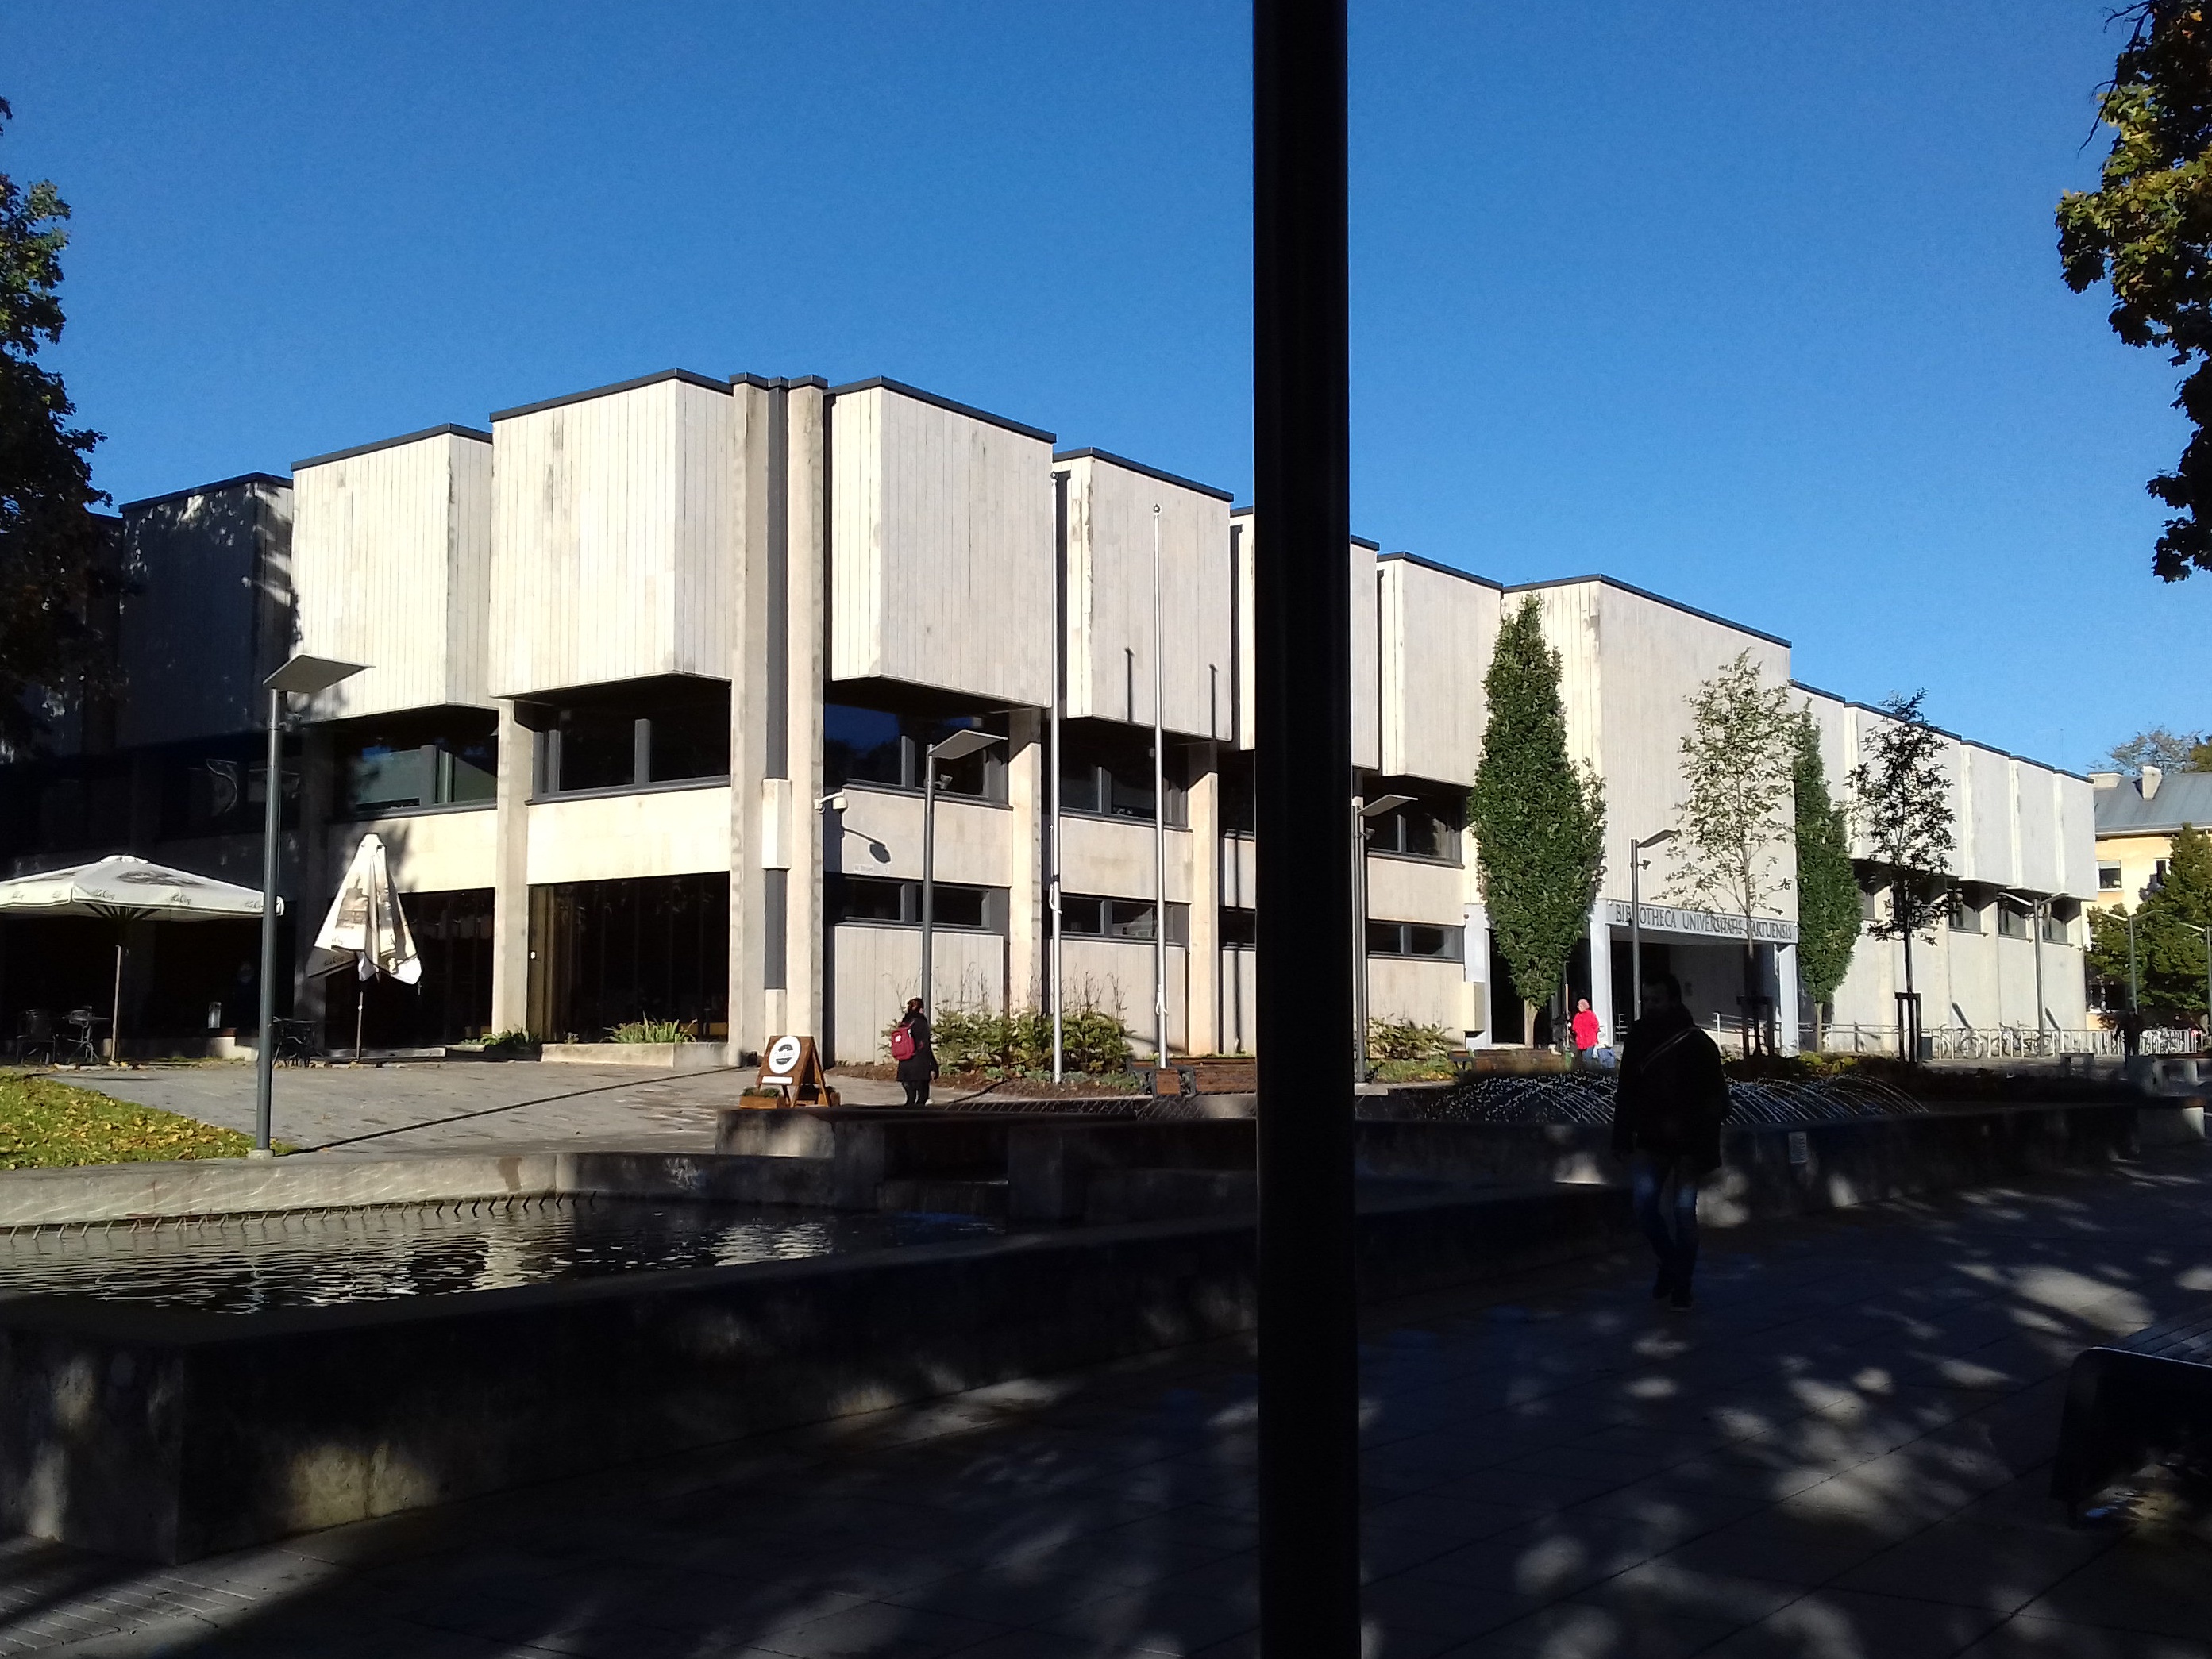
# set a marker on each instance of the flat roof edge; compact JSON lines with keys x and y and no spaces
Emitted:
{"x":1402,"y":557}
{"x":206,"y":489}
{"x":887,"y":383}
{"x":1108,"y":455}
{"x":705,"y":382}
{"x":1656,"y":598}
{"x":448,"y":430}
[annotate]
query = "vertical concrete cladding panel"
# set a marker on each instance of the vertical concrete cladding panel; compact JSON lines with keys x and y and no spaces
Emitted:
{"x":1632,"y":714}
{"x":1109,"y":597}
{"x":210,"y":570}
{"x":2041,"y":867}
{"x":610,"y":537}
{"x":2077,"y":835}
{"x":1989,"y":853}
{"x":1366,"y":658}
{"x":1438,"y":630}
{"x":941,"y":547}
{"x":391,"y":558}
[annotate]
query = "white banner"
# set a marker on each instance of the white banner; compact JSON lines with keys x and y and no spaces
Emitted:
{"x":1708,"y":924}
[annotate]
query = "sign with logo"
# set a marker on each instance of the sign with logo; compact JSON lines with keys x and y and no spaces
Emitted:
{"x":794,"y":1066}
{"x":1711,"y":924}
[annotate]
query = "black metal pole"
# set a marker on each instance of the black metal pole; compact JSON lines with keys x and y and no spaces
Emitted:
{"x":1308,"y":1352}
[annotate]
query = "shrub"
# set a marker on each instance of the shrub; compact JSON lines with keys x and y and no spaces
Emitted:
{"x":1018,"y":1042}
{"x":653,"y":1030}
{"x":1406,"y":1039}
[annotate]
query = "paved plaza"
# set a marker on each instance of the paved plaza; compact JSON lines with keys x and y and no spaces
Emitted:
{"x":1842,"y":1454}
{"x":459,"y":1105}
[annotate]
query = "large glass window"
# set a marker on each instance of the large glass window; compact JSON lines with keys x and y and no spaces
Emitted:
{"x":893,"y":902}
{"x":1092,"y":916}
{"x":608,"y":953}
{"x":871,"y":745}
{"x":675,"y":730}
{"x":451,"y":1003}
{"x":1426,"y":827}
{"x":447,"y":759}
{"x":2012,"y":921}
{"x":1107,"y":768}
{"x":1239,"y":925}
{"x":1413,"y":939}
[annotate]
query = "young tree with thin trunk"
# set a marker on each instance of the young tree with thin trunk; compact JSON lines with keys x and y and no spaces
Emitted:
{"x":1538,"y":818}
{"x":51,"y":546}
{"x":1828,"y":913}
{"x":1733,"y":823}
{"x":1903,"y":796}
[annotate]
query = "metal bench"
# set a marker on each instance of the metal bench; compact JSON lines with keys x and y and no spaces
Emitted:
{"x":2133,"y":1400}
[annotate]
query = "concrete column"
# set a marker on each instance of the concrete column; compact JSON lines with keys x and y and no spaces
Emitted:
{"x":1026,"y":923}
{"x":1202,"y":1005}
{"x":510,"y":882}
{"x":806,"y":999}
{"x":756,"y":552}
{"x":1600,"y":953}
{"x":1785,"y":999}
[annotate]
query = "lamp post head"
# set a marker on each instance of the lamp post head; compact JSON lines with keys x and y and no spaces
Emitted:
{"x":963,"y":743}
{"x":304,"y":676}
{"x":1381,"y":803}
{"x":1654,"y":841}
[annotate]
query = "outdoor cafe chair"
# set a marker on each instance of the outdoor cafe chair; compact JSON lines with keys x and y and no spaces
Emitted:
{"x":35,"y":1034}
{"x":80,"y":1046}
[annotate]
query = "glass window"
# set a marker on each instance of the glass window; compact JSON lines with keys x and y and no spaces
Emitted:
{"x":1413,"y":939}
{"x":1426,"y":827}
{"x":2012,"y":922}
{"x":862,"y":745}
{"x":689,"y":740}
{"x":865,"y":898}
{"x":597,"y":748}
{"x":1108,"y":768}
{"x":1965,"y":915}
{"x":2054,"y":931}
{"x":1239,"y":811}
{"x":419,"y":760}
{"x":882,"y":899}
{"x":1239,"y":925}
{"x":2108,"y":878}
{"x":1090,"y":916}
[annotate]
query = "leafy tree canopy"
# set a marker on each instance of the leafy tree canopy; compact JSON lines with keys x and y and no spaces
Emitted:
{"x":51,"y":543}
{"x":1904,"y":800}
{"x":2171,"y":751}
{"x":2148,"y":232}
{"x":1828,"y":913}
{"x":1736,"y":768}
{"x":1539,"y":818}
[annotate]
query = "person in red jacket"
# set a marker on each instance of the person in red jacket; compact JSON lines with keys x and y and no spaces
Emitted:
{"x":1585,"y":1025}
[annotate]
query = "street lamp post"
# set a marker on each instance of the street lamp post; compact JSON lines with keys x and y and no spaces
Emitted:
{"x":302,"y":677}
{"x":1363,"y":814}
{"x":2035,"y":909}
{"x":958,"y":746}
{"x":1159,"y":825}
{"x":1636,"y":852}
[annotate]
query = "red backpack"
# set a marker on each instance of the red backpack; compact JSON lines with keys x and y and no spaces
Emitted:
{"x":902,"y":1042}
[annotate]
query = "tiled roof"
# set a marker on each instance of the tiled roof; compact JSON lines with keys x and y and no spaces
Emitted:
{"x":2182,"y":798}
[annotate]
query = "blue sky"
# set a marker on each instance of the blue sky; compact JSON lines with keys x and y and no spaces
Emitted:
{"x":1754,"y":306}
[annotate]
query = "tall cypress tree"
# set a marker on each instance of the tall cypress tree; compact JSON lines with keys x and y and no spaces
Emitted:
{"x":1828,"y":911}
{"x":1538,"y":818}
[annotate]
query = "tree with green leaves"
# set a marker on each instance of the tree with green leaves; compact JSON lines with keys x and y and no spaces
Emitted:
{"x":1828,"y":912}
{"x":1538,"y":816}
{"x":1904,"y":800}
{"x":2148,"y":232}
{"x":51,"y":543}
{"x":1737,"y":769}
{"x":2169,"y":950}
{"x":2172,"y":752}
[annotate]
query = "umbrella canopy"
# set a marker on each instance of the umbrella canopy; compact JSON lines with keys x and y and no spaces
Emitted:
{"x":366,"y":925}
{"x":124,"y":889}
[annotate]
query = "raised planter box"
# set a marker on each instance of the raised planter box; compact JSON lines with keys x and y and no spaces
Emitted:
{"x":669,"y":1056}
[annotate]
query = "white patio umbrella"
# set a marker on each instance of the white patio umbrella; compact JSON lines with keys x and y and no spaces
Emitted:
{"x":123,"y":890}
{"x":366,"y":928}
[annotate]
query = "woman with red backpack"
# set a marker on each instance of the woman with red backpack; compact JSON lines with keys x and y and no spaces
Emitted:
{"x":917,"y":1060}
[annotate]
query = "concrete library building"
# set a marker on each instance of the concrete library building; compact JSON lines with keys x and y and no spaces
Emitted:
{"x":655,"y":674}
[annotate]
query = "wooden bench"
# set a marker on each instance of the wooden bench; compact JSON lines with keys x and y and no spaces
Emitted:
{"x":2132,"y":1400}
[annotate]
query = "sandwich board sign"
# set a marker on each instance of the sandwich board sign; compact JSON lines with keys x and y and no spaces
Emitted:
{"x":792,"y":1066}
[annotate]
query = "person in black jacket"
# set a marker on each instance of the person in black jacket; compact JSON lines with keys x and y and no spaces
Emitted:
{"x":915,"y":1071}
{"x":1666,"y":1114}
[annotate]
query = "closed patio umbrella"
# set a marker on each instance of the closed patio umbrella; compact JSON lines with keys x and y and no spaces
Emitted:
{"x":123,"y":890}
{"x":366,"y":928}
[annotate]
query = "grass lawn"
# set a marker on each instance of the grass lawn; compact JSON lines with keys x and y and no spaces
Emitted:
{"x":45,"y":1125}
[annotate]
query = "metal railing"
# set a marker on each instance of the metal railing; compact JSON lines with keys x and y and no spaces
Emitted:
{"x":2004,"y":1042}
